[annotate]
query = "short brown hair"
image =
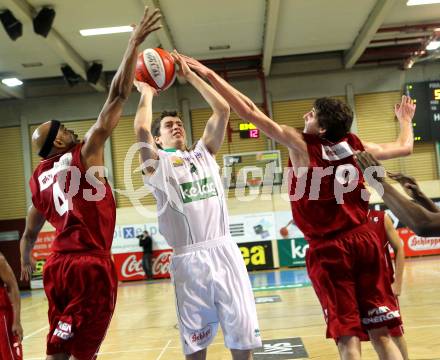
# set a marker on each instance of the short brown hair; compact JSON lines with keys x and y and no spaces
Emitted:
{"x":334,"y":116}
{"x":155,"y":126}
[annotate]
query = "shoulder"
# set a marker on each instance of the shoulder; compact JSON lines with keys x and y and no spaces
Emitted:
{"x":354,"y":141}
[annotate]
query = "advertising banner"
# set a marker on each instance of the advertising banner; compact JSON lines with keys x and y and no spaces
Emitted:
{"x":292,"y":252}
{"x":40,"y":252}
{"x":129,"y":265}
{"x":416,"y":245}
{"x":257,"y":255}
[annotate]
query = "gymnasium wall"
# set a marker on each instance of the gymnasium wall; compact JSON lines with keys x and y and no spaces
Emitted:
{"x":375,"y":92}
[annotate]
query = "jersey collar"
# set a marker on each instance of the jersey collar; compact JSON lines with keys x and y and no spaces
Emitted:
{"x":170,"y":150}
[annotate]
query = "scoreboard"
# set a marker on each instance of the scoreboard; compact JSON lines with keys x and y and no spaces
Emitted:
{"x":249,"y":131}
{"x":426,"y":121}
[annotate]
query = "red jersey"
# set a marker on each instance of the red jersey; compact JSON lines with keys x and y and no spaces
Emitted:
{"x":377,"y":222}
{"x":323,"y":210}
{"x":81,"y":210}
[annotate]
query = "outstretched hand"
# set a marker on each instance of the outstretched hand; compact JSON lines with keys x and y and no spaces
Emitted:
{"x":145,"y":88}
{"x":408,"y":183}
{"x":184,"y":69}
{"x":406,"y":109}
{"x":197,"y":66}
{"x":147,"y":25}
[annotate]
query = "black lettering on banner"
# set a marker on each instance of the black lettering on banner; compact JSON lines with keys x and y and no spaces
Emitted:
{"x":257,"y":255}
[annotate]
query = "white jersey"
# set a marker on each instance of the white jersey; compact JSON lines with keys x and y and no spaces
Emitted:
{"x":190,"y":198}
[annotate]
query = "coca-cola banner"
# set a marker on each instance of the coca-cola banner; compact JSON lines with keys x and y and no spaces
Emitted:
{"x":129,"y":265}
{"x":416,"y":245}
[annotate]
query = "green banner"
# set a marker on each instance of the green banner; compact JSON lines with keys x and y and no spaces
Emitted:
{"x":292,"y":252}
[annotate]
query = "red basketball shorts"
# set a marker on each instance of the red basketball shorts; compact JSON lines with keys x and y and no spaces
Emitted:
{"x":350,"y":278}
{"x":10,"y":348}
{"x":81,"y":291}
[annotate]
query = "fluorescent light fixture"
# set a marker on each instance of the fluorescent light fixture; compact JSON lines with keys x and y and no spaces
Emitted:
{"x":106,"y":30}
{"x":11,"y":82}
{"x":422,"y":2}
{"x":433,"y":45}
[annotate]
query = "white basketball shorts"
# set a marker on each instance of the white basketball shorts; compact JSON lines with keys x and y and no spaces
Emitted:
{"x":212,"y":287}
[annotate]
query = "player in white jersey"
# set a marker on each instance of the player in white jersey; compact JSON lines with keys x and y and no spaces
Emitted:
{"x":210,"y":279}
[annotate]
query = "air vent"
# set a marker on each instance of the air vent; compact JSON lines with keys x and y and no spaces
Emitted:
{"x":32,"y":64}
{"x":220,"y":47}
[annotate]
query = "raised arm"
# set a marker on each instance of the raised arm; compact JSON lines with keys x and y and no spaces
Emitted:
{"x":8,"y":277}
{"x":411,"y":187}
{"x":34,"y":223}
{"x":248,"y":111}
{"x":399,"y":255}
{"x":120,"y":88}
{"x":416,"y":217}
{"x":142,"y":126}
{"x":403,"y":146}
{"x":215,"y":128}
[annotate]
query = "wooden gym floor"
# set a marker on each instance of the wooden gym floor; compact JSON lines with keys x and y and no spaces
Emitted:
{"x":144,"y":324}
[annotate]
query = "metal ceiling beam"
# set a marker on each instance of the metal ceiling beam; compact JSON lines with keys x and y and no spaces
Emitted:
{"x":164,"y":35}
{"x":15,"y":92}
{"x":25,"y":12}
{"x":270,"y":29}
{"x":369,"y":29}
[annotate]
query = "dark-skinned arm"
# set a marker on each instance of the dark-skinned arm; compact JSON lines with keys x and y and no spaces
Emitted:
{"x":93,"y":150}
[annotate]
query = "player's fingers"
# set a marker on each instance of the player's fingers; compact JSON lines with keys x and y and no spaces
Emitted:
{"x":153,"y":20}
{"x":144,"y":16}
{"x":154,"y":29}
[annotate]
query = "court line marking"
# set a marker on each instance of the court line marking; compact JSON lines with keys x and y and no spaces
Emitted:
{"x":35,"y":332}
{"x":164,"y":349}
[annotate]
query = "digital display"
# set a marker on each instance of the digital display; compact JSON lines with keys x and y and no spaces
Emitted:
{"x":249,"y":131}
{"x":426,"y":121}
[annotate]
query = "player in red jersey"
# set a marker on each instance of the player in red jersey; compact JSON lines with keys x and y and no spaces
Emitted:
{"x":69,"y":189}
{"x":388,"y":235}
{"x":11,"y":332}
{"x":344,"y":260}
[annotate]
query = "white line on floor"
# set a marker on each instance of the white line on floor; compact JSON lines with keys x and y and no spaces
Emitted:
{"x":164,"y":349}
{"x":35,"y":332}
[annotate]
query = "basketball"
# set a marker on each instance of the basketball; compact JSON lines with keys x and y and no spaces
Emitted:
{"x":156,"y":68}
{"x":284,"y":232}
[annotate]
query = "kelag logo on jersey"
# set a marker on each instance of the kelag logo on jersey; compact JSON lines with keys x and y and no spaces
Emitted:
{"x":198,"y":190}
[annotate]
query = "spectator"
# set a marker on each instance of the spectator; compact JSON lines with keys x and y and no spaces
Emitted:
{"x":146,"y":242}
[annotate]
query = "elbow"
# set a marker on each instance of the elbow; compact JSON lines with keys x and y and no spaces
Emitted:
{"x":424,"y":228}
{"x":407,"y":150}
{"x":224,"y":110}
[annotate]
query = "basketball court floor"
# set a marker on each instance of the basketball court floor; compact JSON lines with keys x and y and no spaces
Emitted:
{"x":145,"y":326}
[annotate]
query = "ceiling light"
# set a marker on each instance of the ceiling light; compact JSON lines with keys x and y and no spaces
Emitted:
{"x":433,"y":45}
{"x":106,"y":30}
{"x":11,"y":82}
{"x":422,"y":2}
{"x":43,"y":21}
{"x":13,"y":27}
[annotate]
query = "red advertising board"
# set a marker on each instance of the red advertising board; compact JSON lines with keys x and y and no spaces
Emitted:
{"x":43,"y":244}
{"x":129,"y":265}
{"x":417,"y":245}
